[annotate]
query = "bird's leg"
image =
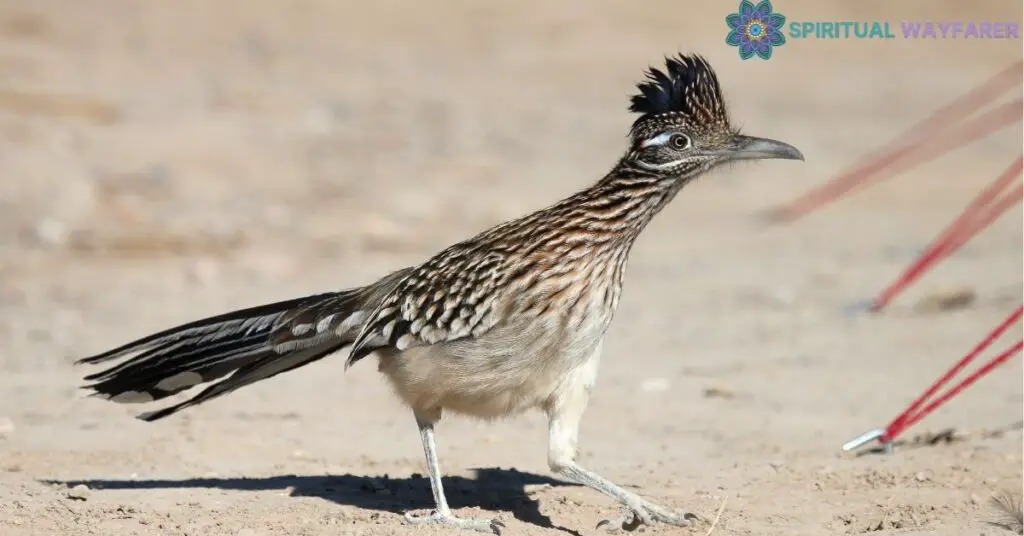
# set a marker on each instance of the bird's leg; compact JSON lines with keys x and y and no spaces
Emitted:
{"x":442,"y":514}
{"x":564,"y":416}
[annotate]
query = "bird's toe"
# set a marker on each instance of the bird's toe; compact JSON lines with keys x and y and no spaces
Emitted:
{"x":629,"y":521}
{"x":493,"y":526}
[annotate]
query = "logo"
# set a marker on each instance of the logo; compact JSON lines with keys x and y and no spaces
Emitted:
{"x":755,"y":30}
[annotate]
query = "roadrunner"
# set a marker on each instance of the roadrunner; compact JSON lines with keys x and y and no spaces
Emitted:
{"x":510,"y":320}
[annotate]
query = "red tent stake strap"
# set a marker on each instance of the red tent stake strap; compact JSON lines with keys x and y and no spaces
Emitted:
{"x":911,"y":147}
{"x":915,"y":412}
{"x":910,"y":156}
{"x":929,"y":149}
{"x":979,"y":214}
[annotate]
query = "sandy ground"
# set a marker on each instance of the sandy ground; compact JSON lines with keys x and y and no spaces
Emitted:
{"x":163,"y":161}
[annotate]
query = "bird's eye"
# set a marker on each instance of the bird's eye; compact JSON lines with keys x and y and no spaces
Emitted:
{"x":679,"y":141}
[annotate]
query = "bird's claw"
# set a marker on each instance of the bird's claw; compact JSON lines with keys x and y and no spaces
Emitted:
{"x":629,"y":521}
{"x":493,"y":526}
{"x":634,"y":518}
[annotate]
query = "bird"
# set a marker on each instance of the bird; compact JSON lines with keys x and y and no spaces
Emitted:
{"x":508,"y":321}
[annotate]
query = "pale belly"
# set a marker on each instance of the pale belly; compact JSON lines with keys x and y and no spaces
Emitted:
{"x":485,"y":378}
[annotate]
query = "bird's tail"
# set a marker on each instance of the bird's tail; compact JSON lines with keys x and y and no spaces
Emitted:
{"x":246,"y":346}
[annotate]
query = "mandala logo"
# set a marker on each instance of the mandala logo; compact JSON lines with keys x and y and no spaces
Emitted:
{"x":755,"y":30}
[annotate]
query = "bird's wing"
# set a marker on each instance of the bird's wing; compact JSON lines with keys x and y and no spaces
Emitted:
{"x":450,"y":297}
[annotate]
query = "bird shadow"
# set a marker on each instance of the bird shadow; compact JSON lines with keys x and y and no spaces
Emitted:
{"x":496,"y":489}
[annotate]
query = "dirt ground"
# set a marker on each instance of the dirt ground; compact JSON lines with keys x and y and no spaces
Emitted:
{"x":163,"y":161}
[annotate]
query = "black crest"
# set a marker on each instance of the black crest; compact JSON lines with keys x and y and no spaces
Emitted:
{"x":687,"y":89}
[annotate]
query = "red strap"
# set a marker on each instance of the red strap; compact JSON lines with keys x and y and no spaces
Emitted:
{"x":911,"y":415}
{"x":944,"y":118}
{"x":995,"y":362}
{"x":982,"y":211}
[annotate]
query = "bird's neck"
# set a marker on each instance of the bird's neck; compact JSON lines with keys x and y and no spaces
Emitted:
{"x":626,"y":200}
{"x":600,"y":222}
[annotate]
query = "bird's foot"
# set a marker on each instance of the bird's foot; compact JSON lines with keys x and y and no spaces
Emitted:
{"x":646,"y":513}
{"x":449,"y":519}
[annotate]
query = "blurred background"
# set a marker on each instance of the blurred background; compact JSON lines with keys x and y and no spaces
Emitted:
{"x":163,"y":161}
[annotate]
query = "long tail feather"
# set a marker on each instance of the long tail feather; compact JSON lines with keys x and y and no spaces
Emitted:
{"x":213,"y":328}
{"x":234,"y":349}
{"x":255,"y":371}
{"x":244,"y":344}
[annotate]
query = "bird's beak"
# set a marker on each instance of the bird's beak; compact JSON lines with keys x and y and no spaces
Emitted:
{"x":751,"y":148}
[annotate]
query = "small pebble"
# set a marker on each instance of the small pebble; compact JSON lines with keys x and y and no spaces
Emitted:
{"x":50,"y":232}
{"x":655,"y":385}
{"x":947,"y":300}
{"x":79,"y":493}
{"x":6,"y":426}
{"x":534,"y":488}
{"x":719,"y":392}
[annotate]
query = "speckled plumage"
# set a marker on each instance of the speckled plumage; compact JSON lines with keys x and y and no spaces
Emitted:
{"x":510,"y":320}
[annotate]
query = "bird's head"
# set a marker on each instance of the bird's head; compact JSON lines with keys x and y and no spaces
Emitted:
{"x":684,"y":126}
